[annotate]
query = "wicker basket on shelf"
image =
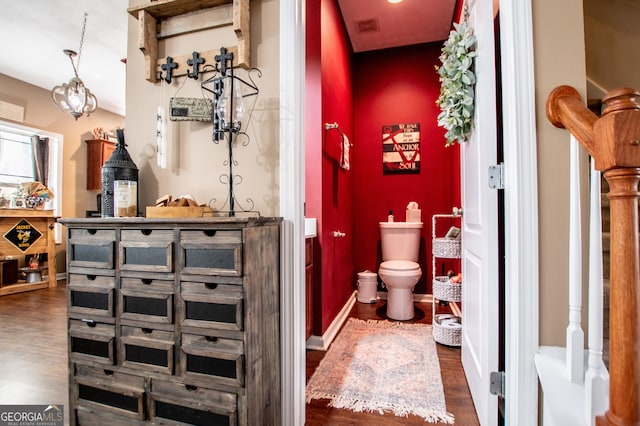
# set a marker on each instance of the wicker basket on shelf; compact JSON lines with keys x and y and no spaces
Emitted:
{"x":447,"y":329}
{"x":447,"y":247}
{"x":443,"y":289}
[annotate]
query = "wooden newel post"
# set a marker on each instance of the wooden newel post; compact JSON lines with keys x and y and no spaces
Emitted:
{"x":613,"y":141}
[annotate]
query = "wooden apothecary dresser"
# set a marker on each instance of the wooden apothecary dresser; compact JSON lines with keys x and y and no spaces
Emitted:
{"x":174,"y":321}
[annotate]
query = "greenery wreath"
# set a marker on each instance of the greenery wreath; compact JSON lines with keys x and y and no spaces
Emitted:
{"x":457,"y":81}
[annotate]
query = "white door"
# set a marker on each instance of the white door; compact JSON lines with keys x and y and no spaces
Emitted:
{"x":480,"y":226}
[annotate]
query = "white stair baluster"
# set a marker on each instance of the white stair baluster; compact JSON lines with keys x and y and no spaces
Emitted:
{"x":597,"y":377}
{"x":575,"y":335}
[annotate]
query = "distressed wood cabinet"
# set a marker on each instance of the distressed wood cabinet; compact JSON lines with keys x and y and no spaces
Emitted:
{"x":174,"y":321}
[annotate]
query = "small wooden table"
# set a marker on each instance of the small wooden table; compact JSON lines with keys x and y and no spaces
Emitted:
{"x":12,"y":222}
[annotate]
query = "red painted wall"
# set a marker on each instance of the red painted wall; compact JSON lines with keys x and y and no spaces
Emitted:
{"x":362,"y":93}
{"x":329,"y":187}
{"x":399,"y":86}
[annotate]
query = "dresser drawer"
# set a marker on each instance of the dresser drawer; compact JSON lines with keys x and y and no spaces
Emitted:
{"x":91,"y":295}
{"x":211,"y":252}
{"x":171,"y":403}
{"x":91,"y":248}
{"x":146,"y":349}
{"x":91,"y":341}
{"x":156,"y":307}
{"x":146,"y":284}
{"x":115,"y":392}
{"x":146,"y":250}
{"x":211,"y":305}
{"x":218,"y":359}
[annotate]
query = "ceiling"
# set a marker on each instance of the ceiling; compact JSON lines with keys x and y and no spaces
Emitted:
{"x":35,"y":32}
{"x":38,"y":31}
{"x":378,"y":24}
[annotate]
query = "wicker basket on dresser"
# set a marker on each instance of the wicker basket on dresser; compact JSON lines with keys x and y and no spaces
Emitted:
{"x":174,"y":321}
{"x":447,"y":328}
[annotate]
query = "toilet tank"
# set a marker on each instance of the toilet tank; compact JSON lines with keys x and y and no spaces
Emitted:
{"x":400,"y":240}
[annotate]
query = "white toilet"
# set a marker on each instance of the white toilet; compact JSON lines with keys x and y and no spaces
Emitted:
{"x":399,"y":269}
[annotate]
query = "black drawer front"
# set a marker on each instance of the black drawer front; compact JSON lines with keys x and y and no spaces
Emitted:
{"x":91,"y":301}
{"x":146,"y":250}
{"x":94,"y":255}
{"x":226,"y":368}
{"x":193,"y":416}
{"x":211,"y":305}
{"x":217,"y":359}
{"x":91,"y":347}
{"x":142,"y":306}
{"x":211,"y":252}
{"x":147,"y":349}
{"x":90,"y":341}
{"x":210,"y":258}
{"x":214,"y":312}
{"x":145,"y":355}
{"x":110,"y":398}
{"x":110,"y":391}
{"x":174,"y":402}
{"x":211,"y":314}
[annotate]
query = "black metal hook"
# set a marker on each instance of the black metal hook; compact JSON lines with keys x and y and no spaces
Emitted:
{"x":168,"y":67}
{"x":194,"y":62}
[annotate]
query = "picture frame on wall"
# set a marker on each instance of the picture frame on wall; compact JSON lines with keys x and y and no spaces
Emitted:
{"x":401,"y":148}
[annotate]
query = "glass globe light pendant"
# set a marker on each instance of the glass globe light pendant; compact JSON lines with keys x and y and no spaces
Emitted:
{"x":74,"y":97}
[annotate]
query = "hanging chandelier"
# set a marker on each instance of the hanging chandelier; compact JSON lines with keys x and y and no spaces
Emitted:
{"x":74,"y":97}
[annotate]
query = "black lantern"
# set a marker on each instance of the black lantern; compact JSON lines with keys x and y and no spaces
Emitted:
{"x":120,"y":182}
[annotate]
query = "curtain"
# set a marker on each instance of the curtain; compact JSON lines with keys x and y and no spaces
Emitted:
{"x":40,"y":149}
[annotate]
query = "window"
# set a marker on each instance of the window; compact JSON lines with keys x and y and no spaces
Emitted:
{"x":16,"y":164}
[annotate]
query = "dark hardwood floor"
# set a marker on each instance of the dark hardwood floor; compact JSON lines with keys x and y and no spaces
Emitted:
{"x":34,"y":367}
{"x":456,"y":390}
{"x":33,"y":348}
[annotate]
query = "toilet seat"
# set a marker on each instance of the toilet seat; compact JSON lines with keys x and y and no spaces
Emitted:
{"x":399,"y":266}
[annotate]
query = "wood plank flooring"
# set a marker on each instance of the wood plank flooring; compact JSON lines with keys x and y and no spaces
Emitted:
{"x":33,"y":348}
{"x":456,"y":390}
{"x":34,"y":366}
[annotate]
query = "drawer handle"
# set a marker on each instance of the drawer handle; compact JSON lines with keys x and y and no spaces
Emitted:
{"x":147,"y":330}
{"x":191,"y":388}
{"x":211,"y":286}
{"x":90,"y":323}
{"x":146,"y":231}
{"x":211,"y":339}
{"x":91,"y":277}
{"x":146,"y":281}
{"x":209,"y":232}
{"x":92,"y":231}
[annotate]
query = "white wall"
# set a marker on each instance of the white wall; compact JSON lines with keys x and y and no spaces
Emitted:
{"x":195,"y":162}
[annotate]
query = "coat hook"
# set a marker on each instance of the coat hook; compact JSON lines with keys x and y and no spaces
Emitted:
{"x":194,"y":62}
{"x":168,"y":67}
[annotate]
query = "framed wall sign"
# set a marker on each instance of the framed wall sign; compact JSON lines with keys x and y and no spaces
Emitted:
{"x":401,"y":148}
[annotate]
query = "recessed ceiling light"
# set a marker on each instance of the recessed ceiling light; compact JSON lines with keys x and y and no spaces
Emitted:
{"x":394,"y":1}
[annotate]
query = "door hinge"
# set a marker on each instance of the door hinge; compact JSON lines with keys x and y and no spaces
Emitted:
{"x":496,"y":176}
{"x":496,"y":383}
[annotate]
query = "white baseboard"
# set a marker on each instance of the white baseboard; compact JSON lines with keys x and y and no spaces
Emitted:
{"x":321,"y":343}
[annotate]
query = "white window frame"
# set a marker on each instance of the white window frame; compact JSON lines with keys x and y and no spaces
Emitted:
{"x":55,"y":165}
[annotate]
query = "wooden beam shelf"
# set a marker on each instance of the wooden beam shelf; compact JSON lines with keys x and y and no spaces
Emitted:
{"x":169,"y":18}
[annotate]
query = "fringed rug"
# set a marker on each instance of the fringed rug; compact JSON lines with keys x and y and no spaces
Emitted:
{"x":379,"y":366}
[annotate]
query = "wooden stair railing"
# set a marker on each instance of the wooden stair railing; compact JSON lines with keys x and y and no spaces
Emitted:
{"x":613,"y":140}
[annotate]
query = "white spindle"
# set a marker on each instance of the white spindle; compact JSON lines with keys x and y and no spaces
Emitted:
{"x":575,"y":335}
{"x":597,"y":376}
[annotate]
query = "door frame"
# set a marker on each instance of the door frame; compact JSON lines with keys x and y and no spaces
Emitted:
{"x":521,"y":207}
{"x":521,"y":212}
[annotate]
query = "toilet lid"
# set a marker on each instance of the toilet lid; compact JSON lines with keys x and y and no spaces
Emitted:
{"x":400,"y":265}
